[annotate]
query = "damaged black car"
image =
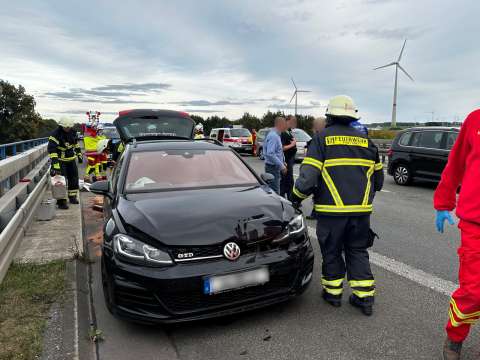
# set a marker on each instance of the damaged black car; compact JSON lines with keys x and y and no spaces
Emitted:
{"x":191,"y":231}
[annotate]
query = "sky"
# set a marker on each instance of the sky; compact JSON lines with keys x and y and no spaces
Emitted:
{"x":229,"y":57}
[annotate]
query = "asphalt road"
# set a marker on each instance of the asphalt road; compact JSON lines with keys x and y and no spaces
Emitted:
{"x":407,"y":324}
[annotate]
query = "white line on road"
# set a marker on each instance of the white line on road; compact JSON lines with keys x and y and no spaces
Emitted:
{"x":385,"y":191}
{"x":408,"y":272}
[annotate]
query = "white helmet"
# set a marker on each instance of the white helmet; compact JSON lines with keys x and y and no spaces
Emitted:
{"x":100,"y":127}
{"x":102,"y":145}
{"x":199,"y":127}
{"x":65,"y":122}
{"x":342,"y":105}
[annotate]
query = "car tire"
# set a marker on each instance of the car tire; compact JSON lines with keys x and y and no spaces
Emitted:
{"x":260,"y":153}
{"x":107,"y":290}
{"x":402,"y":174}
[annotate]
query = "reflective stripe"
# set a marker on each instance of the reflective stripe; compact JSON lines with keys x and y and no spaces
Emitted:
{"x":363,"y":294}
{"x":333,"y":291}
{"x":362,"y":283}
{"x":334,"y":283}
{"x":344,"y":208}
{"x":53,"y":155}
{"x":90,"y":158}
{"x":378,"y":166}
{"x":68,"y":158}
{"x":331,"y":187}
{"x":349,"y":162}
{"x":298,"y":193}
{"x":461,"y":315}
{"x":51,"y":138}
{"x":72,"y":192}
{"x":452,"y":319}
{"x":366,"y":197}
{"x":56,"y":166}
{"x":314,"y":162}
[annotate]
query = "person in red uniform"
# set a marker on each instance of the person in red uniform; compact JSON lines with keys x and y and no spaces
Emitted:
{"x":463,"y":168}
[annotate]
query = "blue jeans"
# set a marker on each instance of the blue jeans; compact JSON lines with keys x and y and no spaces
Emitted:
{"x":275,"y":171}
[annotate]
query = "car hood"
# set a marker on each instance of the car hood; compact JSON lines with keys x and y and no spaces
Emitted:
{"x":207,"y":216}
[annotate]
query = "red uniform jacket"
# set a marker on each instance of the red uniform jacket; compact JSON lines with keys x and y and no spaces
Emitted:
{"x":463,"y":168}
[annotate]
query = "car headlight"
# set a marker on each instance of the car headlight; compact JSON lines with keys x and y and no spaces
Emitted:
{"x":135,"y":250}
{"x":296,"y":225}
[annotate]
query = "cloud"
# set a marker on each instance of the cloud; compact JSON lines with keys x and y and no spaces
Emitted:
{"x":206,"y":111}
{"x":392,"y":34}
{"x":144,"y":87}
{"x":209,"y":103}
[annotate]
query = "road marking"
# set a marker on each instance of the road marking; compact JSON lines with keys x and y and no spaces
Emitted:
{"x":385,"y":191}
{"x":406,"y":271}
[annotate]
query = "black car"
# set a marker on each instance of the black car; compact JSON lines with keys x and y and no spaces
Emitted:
{"x":191,"y":231}
{"x":420,"y":153}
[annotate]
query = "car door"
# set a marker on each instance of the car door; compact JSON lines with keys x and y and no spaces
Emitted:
{"x":427,"y":154}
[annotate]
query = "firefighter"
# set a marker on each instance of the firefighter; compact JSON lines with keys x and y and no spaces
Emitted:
{"x":102,"y":158}
{"x":343,"y":171}
{"x":63,"y":149}
{"x":463,"y":168}
{"x":102,"y":151}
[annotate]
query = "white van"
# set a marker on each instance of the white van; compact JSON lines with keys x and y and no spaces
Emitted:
{"x":239,"y":139}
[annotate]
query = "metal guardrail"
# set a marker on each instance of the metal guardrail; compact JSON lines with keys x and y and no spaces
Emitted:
{"x":14,"y":148}
{"x":383,"y":146}
{"x":17,"y":208}
{"x":14,"y":168}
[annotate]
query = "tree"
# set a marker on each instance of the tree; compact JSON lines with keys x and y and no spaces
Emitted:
{"x":22,"y":122}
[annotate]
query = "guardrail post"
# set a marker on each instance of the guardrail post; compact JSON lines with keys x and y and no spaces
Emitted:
{"x":3,"y":154}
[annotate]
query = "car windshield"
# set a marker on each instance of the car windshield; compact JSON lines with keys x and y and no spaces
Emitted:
{"x":301,"y":135}
{"x":239,"y":132}
{"x":145,"y":126}
{"x":184,"y":169}
{"x":111,"y":133}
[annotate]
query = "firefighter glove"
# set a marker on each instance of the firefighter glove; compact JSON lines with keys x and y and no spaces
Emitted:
{"x":54,"y":171}
{"x":80,"y":159}
{"x":441,"y":216}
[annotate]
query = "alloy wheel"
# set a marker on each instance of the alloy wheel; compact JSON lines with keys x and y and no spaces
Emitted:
{"x":401,"y":175}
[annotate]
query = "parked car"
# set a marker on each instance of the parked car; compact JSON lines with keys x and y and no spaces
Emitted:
{"x":420,"y":153}
{"x":261,"y":135}
{"x":302,"y":139}
{"x":191,"y":231}
{"x":239,"y":139}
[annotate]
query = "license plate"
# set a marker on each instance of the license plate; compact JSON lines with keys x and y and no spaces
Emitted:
{"x":221,"y":283}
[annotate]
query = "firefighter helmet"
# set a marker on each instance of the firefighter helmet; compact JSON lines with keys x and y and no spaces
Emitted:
{"x":199,"y":128}
{"x":65,"y":122}
{"x":342,"y":105}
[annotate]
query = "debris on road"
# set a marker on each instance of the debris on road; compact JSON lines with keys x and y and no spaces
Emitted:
{"x":97,"y":203}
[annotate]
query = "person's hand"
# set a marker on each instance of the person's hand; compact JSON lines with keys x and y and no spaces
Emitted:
{"x":80,"y":159}
{"x":440,"y":218}
{"x":297,"y":204}
{"x":284,"y":170}
{"x":54,"y":172}
{"x":293,"y":143}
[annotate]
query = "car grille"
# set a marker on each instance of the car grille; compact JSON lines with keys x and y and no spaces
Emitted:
{"x":179,"y":302}
{"x":137,"y":298}
{"x":206,"y":253}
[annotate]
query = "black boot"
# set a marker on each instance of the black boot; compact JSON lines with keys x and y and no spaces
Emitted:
{"x":62,"y":204}
{"x":335,"y":301}
{"x":451,"y":350}
{"x":73,"y":199}
{"x":364,"y":306}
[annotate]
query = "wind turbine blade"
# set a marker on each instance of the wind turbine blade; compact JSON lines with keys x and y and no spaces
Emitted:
{"x":294,"y":93}
{"x":384,"y":66}
{"x":294,"y":85}
{"x":401,"y":52}
{"x":405,"y":72}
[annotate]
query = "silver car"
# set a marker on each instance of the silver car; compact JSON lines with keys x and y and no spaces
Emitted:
{"x":302,"y":139}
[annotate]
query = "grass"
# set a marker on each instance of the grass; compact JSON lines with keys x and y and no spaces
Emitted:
{"x":382,"y":134}
{"x":26,"y":295}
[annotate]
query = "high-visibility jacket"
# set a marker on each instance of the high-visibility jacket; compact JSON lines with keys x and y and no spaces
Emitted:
{"x":63,"y":146}
{"x":90,"y":143}
{"x":342,"y":170}
{"x":463,"y":168}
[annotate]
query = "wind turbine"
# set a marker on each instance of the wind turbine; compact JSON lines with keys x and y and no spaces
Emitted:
{"x":397,"y":66}
{"x":295,"y":95}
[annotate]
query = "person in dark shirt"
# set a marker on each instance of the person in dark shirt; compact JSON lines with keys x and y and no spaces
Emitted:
{"x":289,"y":150}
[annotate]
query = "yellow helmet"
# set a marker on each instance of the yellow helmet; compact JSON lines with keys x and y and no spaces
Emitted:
{"x":342,"y":105}
{"x":65,"y":122}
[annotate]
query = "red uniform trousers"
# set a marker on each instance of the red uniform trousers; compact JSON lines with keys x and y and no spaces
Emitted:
{"x":465,"y":302}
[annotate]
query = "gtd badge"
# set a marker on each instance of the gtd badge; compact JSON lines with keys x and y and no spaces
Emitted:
{"x":231,"y":251}
{"x":185,"y":256}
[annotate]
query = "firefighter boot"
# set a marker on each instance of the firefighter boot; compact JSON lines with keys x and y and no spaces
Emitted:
{"x":73,"y":199}
{"x":62,"y":204}
{"x":334,"y":300}
{"x":451,"y":350}
{"x":365,"y":307}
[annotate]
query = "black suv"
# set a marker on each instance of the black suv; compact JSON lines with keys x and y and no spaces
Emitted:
{"x":420,"y":153}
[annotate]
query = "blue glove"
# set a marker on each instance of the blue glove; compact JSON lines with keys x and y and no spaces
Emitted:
{"x":443,"y":215}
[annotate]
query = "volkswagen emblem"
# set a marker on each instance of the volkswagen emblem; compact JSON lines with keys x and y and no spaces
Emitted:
{"x":231,"y":251}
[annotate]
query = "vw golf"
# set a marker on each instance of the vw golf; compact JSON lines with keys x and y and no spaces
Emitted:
{"x":191,"y":232}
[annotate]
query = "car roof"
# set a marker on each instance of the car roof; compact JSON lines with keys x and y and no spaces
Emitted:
{"x":433,"y":128}
{"x":151,"y":145}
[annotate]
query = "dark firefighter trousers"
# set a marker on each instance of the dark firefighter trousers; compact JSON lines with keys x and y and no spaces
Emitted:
{"x":344,"y":241}
{"x":70,"y":171}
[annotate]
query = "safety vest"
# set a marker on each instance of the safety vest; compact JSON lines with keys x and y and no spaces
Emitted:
{"x":342,"y":170}
{"x":90,"y":143}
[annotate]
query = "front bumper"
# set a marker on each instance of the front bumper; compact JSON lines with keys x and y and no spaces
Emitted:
{"x":242,"y":147}
{"x":175,"y":294}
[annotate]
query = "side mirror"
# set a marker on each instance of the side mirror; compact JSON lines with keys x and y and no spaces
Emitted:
{"x":226,"y":136}
{"x":267,"y":177}
{"x":101,"y":188}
